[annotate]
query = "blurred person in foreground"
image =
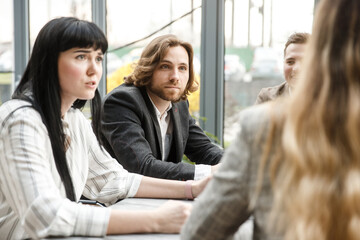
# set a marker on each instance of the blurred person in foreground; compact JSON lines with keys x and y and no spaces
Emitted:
{"x":293,"y":53}
{"x":146,"y":123}
{"x":295,"y":163}
{"x":50,"y":155}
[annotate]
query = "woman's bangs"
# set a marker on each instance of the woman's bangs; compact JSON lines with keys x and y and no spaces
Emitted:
{"x":84,"y":35}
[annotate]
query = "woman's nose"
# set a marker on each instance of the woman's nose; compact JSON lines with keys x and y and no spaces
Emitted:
{"x":94,"y":67}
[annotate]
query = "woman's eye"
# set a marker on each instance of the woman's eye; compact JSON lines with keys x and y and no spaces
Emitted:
{"x":99,"y":59}
{"x":183,"y":68}
{"x":164,"y":66}
{"x":80,"y":57}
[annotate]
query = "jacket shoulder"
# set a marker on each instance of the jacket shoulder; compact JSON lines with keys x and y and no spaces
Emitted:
{"x":125,"y":89}
{"x":254,"y":118}
{"x":275,"y":90}
{"x":124,"y":92}
{"x":270,"y":93}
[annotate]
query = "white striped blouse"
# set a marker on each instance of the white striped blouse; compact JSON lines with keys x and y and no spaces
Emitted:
{"x":33,"y":202}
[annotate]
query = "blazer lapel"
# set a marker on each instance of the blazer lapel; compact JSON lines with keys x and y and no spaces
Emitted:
{"x":177,"y":132}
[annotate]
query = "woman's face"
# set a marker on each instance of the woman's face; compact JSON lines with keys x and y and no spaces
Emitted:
{"x":79,"y":70}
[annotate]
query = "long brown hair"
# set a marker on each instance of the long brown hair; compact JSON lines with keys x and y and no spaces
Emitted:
{"x":153,"y":54}
{"x":315,"y":170}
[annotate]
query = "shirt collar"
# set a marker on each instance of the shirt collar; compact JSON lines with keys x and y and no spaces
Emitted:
{"x":158,"y":114}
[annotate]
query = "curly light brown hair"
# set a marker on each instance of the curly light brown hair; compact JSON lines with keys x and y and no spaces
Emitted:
{"x":153,"y":54}
{"x":314,"y":137}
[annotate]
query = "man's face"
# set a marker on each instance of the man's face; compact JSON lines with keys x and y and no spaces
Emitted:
{"x":170,"y":76}
{"x":292,"y":61}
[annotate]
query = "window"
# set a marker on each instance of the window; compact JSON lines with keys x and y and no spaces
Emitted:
{"x":255,"y":34}
{"x":252,"y":28}
{"x":42,"y":11}
{"x":6,"y":50}
{"x":130,"y":28}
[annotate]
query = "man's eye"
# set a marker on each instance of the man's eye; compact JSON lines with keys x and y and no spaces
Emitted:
{"x":99,"y":59}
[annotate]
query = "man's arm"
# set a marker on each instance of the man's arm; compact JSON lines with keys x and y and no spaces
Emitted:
{"x":131,"y":137}
{"x":199,"y":148}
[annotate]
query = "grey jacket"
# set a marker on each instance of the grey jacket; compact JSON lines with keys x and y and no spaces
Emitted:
{"x":224,"y":204}
{"x":270,"y":93}
{"x":132,"y":135}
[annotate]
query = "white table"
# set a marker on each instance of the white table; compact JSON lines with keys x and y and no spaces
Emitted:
{"x":244,"y":233}
{"x":143,"y":204}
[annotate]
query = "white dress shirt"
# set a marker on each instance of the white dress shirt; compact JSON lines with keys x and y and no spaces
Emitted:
{"x":33,"y":202}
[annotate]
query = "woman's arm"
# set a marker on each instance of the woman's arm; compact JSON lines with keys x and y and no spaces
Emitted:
{"x":162,"y":188}
{"x":168,"y":218}
{"x":32,"y":193}
{"x":105,"y":172}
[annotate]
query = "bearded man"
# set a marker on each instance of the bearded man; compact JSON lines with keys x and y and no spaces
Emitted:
{"x":146,"y":124}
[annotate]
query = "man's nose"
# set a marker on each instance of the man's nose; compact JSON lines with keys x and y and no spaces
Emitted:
{"x":174,"y":75}
{"x":297,"y":67}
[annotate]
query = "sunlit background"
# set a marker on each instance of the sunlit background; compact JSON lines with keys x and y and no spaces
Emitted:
{"x":255,"y":33}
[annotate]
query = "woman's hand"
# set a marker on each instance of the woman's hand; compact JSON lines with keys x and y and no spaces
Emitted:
{"x":214,"y":168}
{"x":167,"y":218}
{"x":171,"y":216}
{"x":198,"y":186}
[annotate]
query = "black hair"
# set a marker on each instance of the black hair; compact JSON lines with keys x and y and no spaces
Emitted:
{"x":40,"y":82}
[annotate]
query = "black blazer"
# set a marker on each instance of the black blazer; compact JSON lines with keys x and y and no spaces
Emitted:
{"x":131,"y":134}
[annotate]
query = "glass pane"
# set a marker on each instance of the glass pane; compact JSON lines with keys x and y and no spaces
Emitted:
{"x":41,"y":11}
{"x":255,"y":34}
{"x":130,"y":28}
{"x":6,"y":49}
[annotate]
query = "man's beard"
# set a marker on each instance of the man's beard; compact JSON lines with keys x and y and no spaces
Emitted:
{"x":165,"y":95}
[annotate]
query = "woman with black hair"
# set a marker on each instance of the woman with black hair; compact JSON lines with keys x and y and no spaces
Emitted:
{"x":50,"y":155}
